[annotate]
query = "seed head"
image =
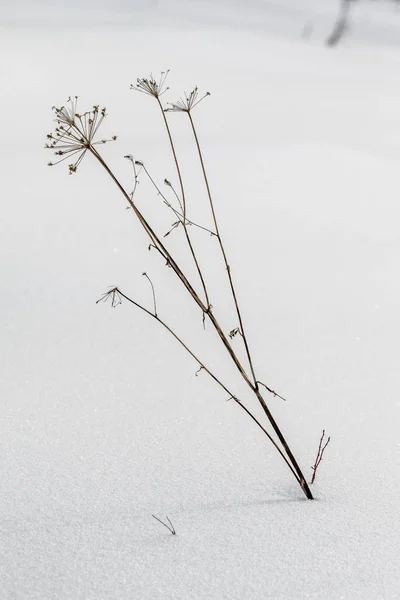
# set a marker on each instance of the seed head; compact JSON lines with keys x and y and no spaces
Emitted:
{"x":75,"y":132}
{"x":113,"y":295}
{"x":150,"y":86}
{"x":187,"y":103}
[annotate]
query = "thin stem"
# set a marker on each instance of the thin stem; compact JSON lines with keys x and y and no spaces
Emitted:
{"x":321,"y":450}
{"x":228,"y":269}
{"x":154,"y":294}
{"x":168,"y":328}
{"x":135,"y":174}
{"x":271,"y":391}
{"x":153,"y":236}
{"x":255,"y":385}
{"x":165,"y":253}
{"x":210,"y":373}
{"x":284,"y":443}
{"x":170,"y":527}
{"x":167,"y":203}
{"x":177,"y":197}
{"x":178,"y":170}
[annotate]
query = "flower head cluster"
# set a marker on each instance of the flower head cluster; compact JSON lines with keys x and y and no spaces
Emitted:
{"x":75,"y":133}
{"x":114,"y":295}
{"x":187,"y":103}
{"x":150,"y":86}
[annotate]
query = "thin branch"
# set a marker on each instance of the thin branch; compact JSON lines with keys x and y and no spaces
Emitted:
{"x":168,"y":328}
{"x":208,"y":311}
{"x":117,"y":292}
{"x":135,"y":174}
{"x":254,"y":386}
{"x":154,"y":293}
{"x":320,"y":453}
{"x":178,"y":170}
{"x":169,"y":184}
{"x":155,"y":241}
{"x":271,"y":391}
{"x":176,"y":212}
{"x":170,"y":527}
{"x":228,"y":269}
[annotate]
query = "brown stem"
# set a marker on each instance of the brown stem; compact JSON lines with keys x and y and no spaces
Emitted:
{"x":178,"y":170}
{"x":320,"y":453}
{"x":153,"y":236}
{"x":211,"y":374}
{"x":228,"y":269}
{"x":167,"y":203}
{"x":254,"y":386}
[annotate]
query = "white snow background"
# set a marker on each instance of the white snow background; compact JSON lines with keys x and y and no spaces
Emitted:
{"x":103,"y":422}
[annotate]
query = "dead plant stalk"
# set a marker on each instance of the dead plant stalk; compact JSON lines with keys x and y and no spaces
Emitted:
{"x":75,"y":134}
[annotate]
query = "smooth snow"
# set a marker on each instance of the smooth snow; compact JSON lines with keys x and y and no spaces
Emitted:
{"x":103,"y":420}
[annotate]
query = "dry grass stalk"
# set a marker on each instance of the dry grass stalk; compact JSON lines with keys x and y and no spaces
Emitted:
{"x":76,"y":134}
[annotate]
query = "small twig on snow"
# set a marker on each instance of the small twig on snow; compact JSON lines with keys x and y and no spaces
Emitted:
{"x":169,"y":526}
{"x":320,"y":453}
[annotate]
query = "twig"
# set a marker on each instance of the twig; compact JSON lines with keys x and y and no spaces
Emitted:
{"x":271,"y":391}
{"x":116,"y":292}
{"x":169,"y":526}
{"x":320,"y":453}
{"x":135,"y":175}
{"x":176,"y":212}
{"x":154,"y":294}
{"x":178,"y":170}
{"x":228,"y":269}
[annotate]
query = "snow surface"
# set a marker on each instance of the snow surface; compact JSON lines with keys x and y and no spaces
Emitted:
{"x":103,"y":420}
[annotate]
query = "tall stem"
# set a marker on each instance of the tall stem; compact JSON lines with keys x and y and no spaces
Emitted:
{"x":178,"y":170}
{"x":254,"y":386}
{"x":228,"y":269}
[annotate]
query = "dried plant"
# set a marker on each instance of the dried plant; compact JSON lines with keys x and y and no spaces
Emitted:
{"x":320,"y":453}
{"x":75,"y":134}
{"x":168,"y":525}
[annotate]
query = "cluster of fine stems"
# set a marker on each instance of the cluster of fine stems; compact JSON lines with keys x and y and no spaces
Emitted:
{"x":75,"y":135}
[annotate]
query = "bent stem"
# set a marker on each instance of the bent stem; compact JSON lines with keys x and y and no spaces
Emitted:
{"x":116,"y":292}
{"x":221,"y":245}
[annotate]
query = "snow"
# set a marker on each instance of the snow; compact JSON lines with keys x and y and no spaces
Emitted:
{"x":103,"y":422}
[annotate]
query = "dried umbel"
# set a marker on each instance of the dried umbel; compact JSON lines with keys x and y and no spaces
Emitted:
{"x":150,"y":86}
{"x":75,"y":133}
{"x":187,"y":103}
